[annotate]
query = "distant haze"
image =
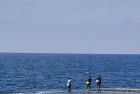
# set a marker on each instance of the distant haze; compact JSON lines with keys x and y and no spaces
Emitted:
{"x":70,"y":26}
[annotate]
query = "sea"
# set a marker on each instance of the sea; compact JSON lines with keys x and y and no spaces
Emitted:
{"x":48,"y":72}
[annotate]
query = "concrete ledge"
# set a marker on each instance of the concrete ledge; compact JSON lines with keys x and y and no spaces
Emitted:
{"x":82,"y":91}
{"x":117,"y":89}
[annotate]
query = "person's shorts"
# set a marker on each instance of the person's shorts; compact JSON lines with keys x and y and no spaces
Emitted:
{"x":69,"y":86}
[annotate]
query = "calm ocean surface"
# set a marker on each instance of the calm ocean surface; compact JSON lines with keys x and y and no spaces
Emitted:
{"x":38,"y":72}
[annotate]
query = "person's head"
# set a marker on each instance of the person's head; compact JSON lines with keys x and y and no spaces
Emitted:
{"x":68,"y":77}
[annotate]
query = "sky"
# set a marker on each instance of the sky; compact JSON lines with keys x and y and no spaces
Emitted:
{"x":70,"y":26}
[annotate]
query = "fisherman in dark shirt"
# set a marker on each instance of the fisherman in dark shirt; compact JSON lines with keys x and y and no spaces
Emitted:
{"x":88,"y":82}
{"x":98,"y":82}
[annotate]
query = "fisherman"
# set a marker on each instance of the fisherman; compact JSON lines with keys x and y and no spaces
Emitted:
{"x":98,"y":82}
{"x":69,"y":84}
{"x":88,"y":82}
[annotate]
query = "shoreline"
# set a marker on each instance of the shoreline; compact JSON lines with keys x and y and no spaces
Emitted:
{"x":81,"y":91}
{"x":137,"y":90}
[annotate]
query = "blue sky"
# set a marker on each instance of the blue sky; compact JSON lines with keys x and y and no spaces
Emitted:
{"x":70,"y":26}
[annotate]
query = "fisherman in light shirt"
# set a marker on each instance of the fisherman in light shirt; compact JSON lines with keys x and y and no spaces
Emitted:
{"x":69,"y":84}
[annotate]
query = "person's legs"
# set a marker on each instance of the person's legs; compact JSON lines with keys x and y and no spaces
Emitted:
{"x":89,"y":85}
{"x":69,"y":88}
{"x":97,"y":86}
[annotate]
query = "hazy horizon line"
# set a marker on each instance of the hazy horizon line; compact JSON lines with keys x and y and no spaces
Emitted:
{"x":66,"y":53}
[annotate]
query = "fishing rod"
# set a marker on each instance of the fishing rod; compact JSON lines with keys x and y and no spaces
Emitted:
{"x":89,"y":57}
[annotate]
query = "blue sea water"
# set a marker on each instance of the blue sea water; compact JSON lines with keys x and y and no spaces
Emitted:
{"x":37,"y":72}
